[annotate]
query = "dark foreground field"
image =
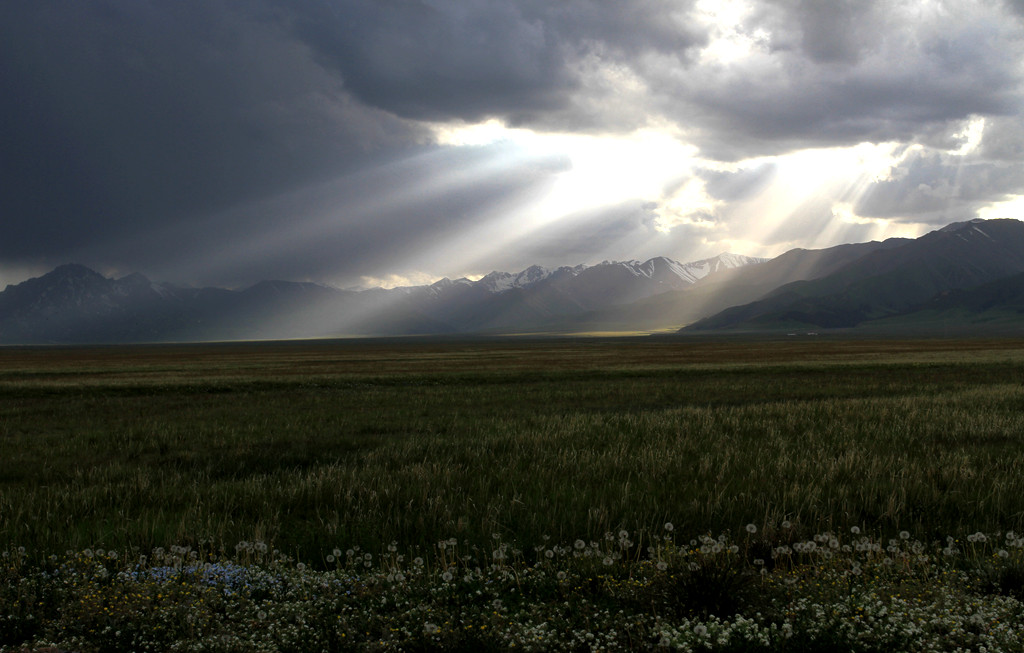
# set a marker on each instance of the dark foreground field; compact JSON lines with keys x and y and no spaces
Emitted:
{"x":624,"y":452}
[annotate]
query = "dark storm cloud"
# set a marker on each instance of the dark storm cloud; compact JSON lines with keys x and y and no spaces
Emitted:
{"x":521,"y":61}
{"x":119,"y":116}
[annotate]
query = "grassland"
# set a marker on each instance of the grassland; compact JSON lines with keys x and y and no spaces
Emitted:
{"x":311,"y":447}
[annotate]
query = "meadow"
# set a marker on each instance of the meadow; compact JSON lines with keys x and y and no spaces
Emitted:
{"x":593,"y":485}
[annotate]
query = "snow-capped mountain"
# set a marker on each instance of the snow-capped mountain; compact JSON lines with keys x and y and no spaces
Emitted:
{"x":660,"y":269}
{"x":75,"y":304}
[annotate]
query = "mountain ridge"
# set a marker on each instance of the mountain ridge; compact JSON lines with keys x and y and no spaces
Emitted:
{"x":885,"y":282}
{"x":73,"y":303}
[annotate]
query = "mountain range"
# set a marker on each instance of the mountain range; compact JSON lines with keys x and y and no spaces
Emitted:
{"x":966,"y":278}
{"x":74,"y":304}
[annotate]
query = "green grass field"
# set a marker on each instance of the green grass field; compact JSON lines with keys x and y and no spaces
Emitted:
{"x":314,"y":445}
{"x":318,"y":447}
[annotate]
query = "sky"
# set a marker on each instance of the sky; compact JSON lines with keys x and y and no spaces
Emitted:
{"x":359,"y":143}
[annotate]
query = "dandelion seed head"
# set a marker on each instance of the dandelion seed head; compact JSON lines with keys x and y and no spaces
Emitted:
{"x":751,"y":528}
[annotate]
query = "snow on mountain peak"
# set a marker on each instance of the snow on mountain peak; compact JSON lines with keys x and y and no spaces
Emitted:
{"x":660,"y":268}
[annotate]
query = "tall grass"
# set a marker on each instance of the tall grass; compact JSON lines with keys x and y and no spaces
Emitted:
{"x":310,"y":446}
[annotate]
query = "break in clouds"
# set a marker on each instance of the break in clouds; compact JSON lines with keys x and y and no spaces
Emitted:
{"x":222,"y":142}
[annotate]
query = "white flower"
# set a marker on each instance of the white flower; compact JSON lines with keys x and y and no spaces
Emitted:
{"x":855,"y":530}
{"x":786,"y":524}
{"x":904,"y":535}
{"x":662,"y":565}
{"x":669,"y":527}
{"x":751,"y":529}
{"x":607,"y":560}
{"x":580,"y":544}
{"x":700,"y":630}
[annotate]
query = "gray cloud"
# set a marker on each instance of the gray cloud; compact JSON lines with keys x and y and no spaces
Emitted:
{"x":911,"y":74}
{"x":124,"y":115}
{"x":739,"y":185}
{"x":938,"y":188}
{"x":524,"y":62}
{"x":239,"y":139}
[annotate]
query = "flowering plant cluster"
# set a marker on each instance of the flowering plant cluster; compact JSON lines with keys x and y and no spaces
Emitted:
{"x":767,"y":589}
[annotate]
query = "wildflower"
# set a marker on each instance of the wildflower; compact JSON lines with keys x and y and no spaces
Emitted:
{"x":662,"y":565}
{"x":786,"y":524}
{"x":447,"y":576}
{"x":418,"y":561}
{"x":561,"y":575}
{"x":580,"y":544}
{"x":669,"y":527}
{"x":607,"y":560}
{"x":855,"y":530}
{"x":430,"y":629}
{"x":549,"y":554}
{"x":330,"y":558}
{"x":700,"y":630}
{"x":751,"y":529}
{"x":904,"y":535}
